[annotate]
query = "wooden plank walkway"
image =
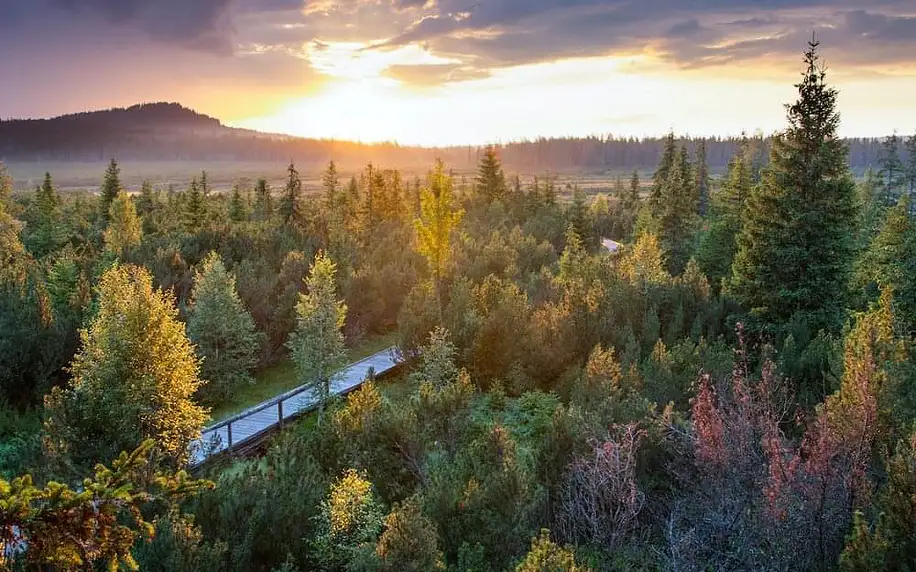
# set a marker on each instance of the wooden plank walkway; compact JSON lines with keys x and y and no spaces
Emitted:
{"x":252,"y":423}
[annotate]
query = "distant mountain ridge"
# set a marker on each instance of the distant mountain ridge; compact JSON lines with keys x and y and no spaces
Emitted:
{"x":171,"y":132}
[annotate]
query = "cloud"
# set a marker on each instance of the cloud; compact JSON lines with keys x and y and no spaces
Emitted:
{"x":200,"y":24}
{"x":436,"y":74}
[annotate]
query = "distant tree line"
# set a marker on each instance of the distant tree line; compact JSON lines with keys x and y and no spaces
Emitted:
{"x":168,"y":131}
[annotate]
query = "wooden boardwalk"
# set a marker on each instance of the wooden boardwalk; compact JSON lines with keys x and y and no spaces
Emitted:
{"x":253,"y":423}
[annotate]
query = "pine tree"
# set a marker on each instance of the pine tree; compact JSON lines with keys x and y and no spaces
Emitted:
{"x":290,"y":204}
{"x":222,"y":331}
{"x":438,"y":219}
{"x":911,"y":167}
{"x":238,"y":208}
{"x":263,"y":205}
{"x":6,"y":186}
{"x":661,"y":175}
{"x":124,"y":230}
{"x":146,"y":201}
{"x":47,"y":235}
{"x":578,"y":217}
{"x":490,"y":183}
{"x":204,"y":184}
{"x":676,"y":214}
{"x":195,"y":214}
{"x":702,"y":179}
{"x":892,"y":173}
{"x":795,"y":248}
{"x":719,"y":244}
{"x":330,"y":185}
{"x":317,"y":343}
{"x":133,"y":379}
{"x":111,"y":186}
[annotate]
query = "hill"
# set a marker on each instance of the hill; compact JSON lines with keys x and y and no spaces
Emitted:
{"x":171,"y":132}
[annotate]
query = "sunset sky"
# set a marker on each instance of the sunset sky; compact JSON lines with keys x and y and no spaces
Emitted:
{"x":461,"y":71}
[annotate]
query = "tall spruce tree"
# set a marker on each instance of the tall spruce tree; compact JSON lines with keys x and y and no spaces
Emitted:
{"x":795,"y":248}
{"x":146,"y":201}
{"x":238,"y":207}
{"x":111,"y":186}
{"x":263,"y":203}
{"x":330,"y":186}
{"x":718,"y":246}
{"x":195,"y":212}
{"x":133,"y":378}
{"x":46,"y":236}
{"x":317,"y":343}
{"x":222,"y":331}
{"x":290,"y":204}
{"x":911,"y":167}
{"x":701,"y":183}
{"x":490,"y":183}
{"x":892,"y":173}
{"x":677,"y":213}
{"x":662,"y":173}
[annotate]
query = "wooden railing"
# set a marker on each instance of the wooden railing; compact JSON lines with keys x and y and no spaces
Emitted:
{"x":253,"y":423}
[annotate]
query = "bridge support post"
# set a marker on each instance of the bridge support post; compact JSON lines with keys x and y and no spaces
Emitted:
{"x":229,"y":431}
{"x":280,"y":414}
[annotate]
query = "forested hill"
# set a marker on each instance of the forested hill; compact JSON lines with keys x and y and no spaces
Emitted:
{"x":169,"y":131}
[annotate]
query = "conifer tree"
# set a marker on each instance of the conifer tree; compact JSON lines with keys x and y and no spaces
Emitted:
{"x":146,"y":201}
{"x":438,"y":219}
{"x":702,"y":179}
{"x":290,"y":204}
{"x":47,"y":235}
{"x":330,"y":185}
{"x":490,"y":183}
{"x":6,"y":186}
{"x":204,"y":184}
{"x":662,"y":173}
{"x":317,"y":343}
{"x":238,"y":209}
{"x":133,"y":379}
{"x":263,"y":204}
{"x":111,"y":186}
{"x":795,"y":248}
{"x":631,"y":202}
{"x":911,"y":166}
{"x":718,"y":246}
{"x":578,"y":217}
{"x":195,"y":214}
{"x":892,"y":173}
{"x":222,"y":331}
{"x":124,"y":229}
{"x":676,"y":214}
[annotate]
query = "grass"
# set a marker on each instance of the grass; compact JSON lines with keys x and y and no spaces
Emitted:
{"x":281,"y":377}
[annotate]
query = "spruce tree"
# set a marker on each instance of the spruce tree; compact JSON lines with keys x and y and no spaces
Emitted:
{"x":133,"y":379}
{"x":238,"y":208}
{"x":578,"y":217}
{"x":490,"y":183}
{"x":263,"y":204}
{"x":701,"y":183}
{"x":661,"y":175}
{"x":146,"y":201}
{"x":719,"y":244}
{"x":330,"y":186}
{"x":911,"y":166}
{"x":195,"y":213}
{"x":795,"y":248}
{"x":111,"y":186}
{"x":892,"y":173}
{"x":317,"y":343}
{"x":677,"y":213}
{"x":47,"y":234}
{"x":290,"y":205}
{"x":124,"y":228}
{"x":222,"y":330}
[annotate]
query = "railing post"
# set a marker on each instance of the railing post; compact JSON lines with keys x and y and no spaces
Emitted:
{"x":280,"y":413}
{"x":229,"y":430}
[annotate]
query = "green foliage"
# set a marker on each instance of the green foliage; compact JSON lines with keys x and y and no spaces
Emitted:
{"x":46,"y":233}
{"x":94,"y":525}
{"x":438,"y":219}
{"x":111,"y":186}
{"x":290,"y":205}
{"x":490,"y":184}
{"x":348,"y":523}
{"x":222,"y":331}
{"x":795,"y":248}
{"x":317,"y":344}
{"x":134,"y":378}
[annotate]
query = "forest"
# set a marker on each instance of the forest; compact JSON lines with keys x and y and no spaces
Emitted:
{"x":733,"y":389}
